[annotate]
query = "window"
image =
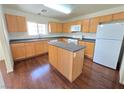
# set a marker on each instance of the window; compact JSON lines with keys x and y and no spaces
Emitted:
{"x":36,"y":28}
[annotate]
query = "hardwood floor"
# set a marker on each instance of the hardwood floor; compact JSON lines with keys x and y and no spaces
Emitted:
{"x":37,"y":73}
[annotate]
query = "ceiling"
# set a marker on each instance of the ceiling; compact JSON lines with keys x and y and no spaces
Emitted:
{"x":77,"y":9}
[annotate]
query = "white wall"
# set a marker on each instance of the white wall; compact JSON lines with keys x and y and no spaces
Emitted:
{"x":5,"y":43}
{"x":100,"y":13}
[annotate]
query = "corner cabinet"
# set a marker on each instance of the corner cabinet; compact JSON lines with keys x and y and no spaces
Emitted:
{"x":16,"y":23}
{"x":89,"y":51}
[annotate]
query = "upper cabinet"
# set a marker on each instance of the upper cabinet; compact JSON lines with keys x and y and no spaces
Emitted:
{"x":16,"y":23}
{"x":66,"y":27}
{"x":11,"y":23}
{"x":118,"y":16}
{"x":21,"y":21}
{"x":85,"y":25}
{"x":106,"y":18}
{"x":55,"y":27}
{"x":93,"y":24}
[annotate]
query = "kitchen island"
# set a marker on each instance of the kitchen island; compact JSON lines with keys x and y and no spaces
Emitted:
{"x":67,"y":58}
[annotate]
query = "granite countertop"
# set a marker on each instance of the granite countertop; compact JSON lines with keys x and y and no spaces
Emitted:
{"x":67,"y":46}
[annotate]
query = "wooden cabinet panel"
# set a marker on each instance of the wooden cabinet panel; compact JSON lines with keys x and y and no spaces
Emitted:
{"x":18,"y":51}
{"x":45,"y":46}
{"x":16,"y":23}
{"x":55,"y":27}
{"x":68,"y":63}
{"x":66,"y":27}
{"x":52,"y":58}
{"x":89,"y":50}
{"x":39,"y":47}
{"x":59,"y":27}
{"x":11,"y":23}
{"x":30,"y":50}
{"x":65,"y":62}
{"x":118,"y":16}
{"x":106,"y":18}
{"x":93,"y":24}
{"x":85,"y":25}
{"x":77,"y":63}
{"x":22,"y":26}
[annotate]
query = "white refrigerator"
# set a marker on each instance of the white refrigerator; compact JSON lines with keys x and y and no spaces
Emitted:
{"x":109,"y":38}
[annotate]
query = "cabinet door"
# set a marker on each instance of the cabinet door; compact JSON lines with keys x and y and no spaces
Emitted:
{"x":85,"y":25}
{"x":52,"y":27}
{"x":106,"y":18}
{"x":39,"y":47}
{"x":21,"y":24}
{"x":18,"y":51}
{"x":65,"y":61}
{"x":78,"y":61}
{"x":45,"y":46}
{"x":89,"y":49}
{"x":66,"y":27}
{"x":93,"y":24}
{"x":11,"y":23}
{"x":118,"y":16}
{"x":59,"y":27}
{"x":30,"y":50}
{"x":52,"y":58}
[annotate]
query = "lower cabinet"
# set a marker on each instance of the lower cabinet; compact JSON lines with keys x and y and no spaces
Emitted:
{"x":89,"y":51}
{"x":28,"y":49}
{"x":68,"y":63}
{"x":18,"y":51}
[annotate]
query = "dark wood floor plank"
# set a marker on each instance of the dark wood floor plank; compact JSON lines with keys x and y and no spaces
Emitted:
{"x":37,"y":73}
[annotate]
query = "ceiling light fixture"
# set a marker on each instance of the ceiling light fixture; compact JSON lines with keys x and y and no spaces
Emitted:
{"x":59,"y":8}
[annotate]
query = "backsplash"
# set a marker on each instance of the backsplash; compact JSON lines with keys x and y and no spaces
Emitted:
{"x":25,"y":35}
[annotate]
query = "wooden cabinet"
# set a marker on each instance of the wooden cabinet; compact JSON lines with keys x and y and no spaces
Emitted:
{"x":66,"y":27}
{"x":16,"y":23}
{"x":118,"y":16}
{"x":89,"y":51}
{"x":55,"y":27}
{"x":68,"y":63}
{"x":52,"y":58}
{"x":85,"y":25}
{"x":39,"y":47}
{"x":11,"y":23}
{"x":59,"y":27}
{"x":30,"y":50}
{"x":93,"y":24}
{"x":106,"y":18}
{"x":65,"y":59}
{"x":45,"y":48}
{"x":21,"y":23}
{"x":18,"y":51}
